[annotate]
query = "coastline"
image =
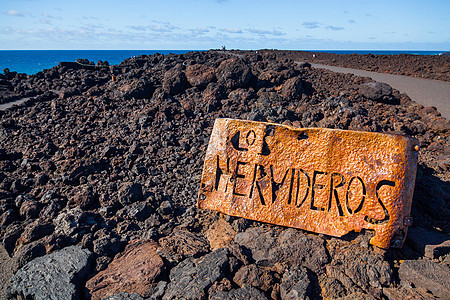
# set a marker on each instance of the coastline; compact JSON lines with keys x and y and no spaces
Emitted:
{"x":101,"y":170}
{"x":435,"y":67}
{"x":394,"y":62}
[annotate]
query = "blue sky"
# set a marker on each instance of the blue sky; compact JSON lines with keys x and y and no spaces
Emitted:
{"x":244,"y":24}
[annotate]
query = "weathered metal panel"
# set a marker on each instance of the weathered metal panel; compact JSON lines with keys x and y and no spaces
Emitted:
{"x":327,"y":181}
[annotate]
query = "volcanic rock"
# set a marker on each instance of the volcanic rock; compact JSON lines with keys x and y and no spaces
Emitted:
{"x":375,"y":90}
{"x":110,"y":155}
{"x":138,"y":88}
{"x":254,"y":276}
{"x":84,"y":61}
{"x":233,"y":73}
{"x":402,"y":293}
{"x":158,"y":291}
{"x":289,"y":246}
{"x":107,"y":245}
{"x":200,"y":75}
{"x":182,"y":243}
{"x":136,"y":270}
{"x":54,"y":276}
{"x":84,"y":197}
{"x":295,"y":284}
{"x":69,"y":221}
{"x":220,"y":234}
{"x":421,"y":66}
{"x":140,"y":211}
{"x":193,"y":278}
{"x":214,"y":92}
{"x":34,"y":231}
{"x":129,"y":193}
{"x":223,"y":285}
{"x":292,"y":88}
{"x":246,"y":292}
{"x":124,"y":296}
{"x":8,"y":217}
{"x":360,"y":270}
{"x":174,"y":81}
{"x":29,"y":209}
{"x":426,"y":275}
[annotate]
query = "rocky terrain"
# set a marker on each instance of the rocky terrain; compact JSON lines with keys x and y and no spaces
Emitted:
{"x":100,"y":171}
{"x":422,"y":66}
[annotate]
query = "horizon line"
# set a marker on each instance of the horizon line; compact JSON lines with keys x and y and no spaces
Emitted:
{"x":233,"y":49}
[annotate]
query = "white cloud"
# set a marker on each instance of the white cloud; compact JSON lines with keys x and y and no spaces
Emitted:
{"x":90,"y":18}
{"x":162,"y":28}
{"x":334,"y":28}
{"x":311,"y":25}
{"x":232,"y":30}
{"x":14,"y":13}
{"x":139,"y":28}
{"x":199,"y":30}
{"x":157,"y":27}
{"x":47,"y":18}
{"x":266,"y":32}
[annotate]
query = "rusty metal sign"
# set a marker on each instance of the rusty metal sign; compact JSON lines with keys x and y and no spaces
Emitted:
{"x":327,"y":181}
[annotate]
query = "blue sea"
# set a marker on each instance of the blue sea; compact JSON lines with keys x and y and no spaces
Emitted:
{"x":33,"y":61}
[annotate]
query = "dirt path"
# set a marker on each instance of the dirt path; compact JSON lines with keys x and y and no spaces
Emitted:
{"x":11,"y":104}
{"x":423,"y":91}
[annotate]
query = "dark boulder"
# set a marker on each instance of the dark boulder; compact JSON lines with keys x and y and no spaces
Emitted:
{"x":107,"y":245}
{"x":84,"y":197}
{"x":233,"y":73}
{"x":199,"y":75}
{"x":360,"y":270}
{"x":192,"y":278}
{"x":375,"y":90}
{"x":137,"y":88}
{"x":129,"y":193}
{"x":84,"y":61}
{"x":295,"y":284}
{"x":292,"y":88}
{"x":140,"y":211}
{"x":54,"y":276}
{"x":102,"y":64}
{"x":175,"y":81}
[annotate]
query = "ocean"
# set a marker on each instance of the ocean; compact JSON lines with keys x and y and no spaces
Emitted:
{"x":33,"y":61}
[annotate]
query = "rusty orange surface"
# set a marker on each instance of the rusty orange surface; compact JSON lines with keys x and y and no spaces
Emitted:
{"x":327,"y":181}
